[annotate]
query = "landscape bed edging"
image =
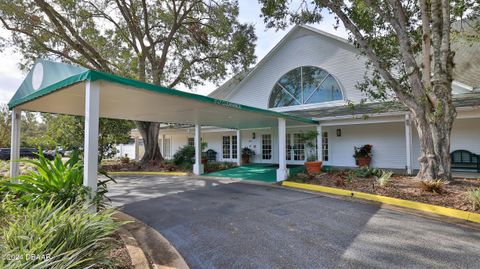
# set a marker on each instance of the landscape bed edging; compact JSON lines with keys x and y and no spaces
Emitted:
{"x":148,"y":173}
{"x":445,"y":211}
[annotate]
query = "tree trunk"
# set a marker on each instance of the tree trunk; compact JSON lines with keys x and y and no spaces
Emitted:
{"x":434,"y":132}
{"x":149,"y":132}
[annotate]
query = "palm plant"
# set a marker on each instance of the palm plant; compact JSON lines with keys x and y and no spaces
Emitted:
{"x":57,"y":180}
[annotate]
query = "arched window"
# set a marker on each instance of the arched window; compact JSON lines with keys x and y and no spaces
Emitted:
{"x":305,"y":85}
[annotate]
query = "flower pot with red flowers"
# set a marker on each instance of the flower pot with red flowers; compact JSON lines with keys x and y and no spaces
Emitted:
{"x":312,"y":164}
{"x":363,"y":155}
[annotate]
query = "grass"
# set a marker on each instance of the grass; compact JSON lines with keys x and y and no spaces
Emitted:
{"x":5,"y":168}
{"x":474,"y":197}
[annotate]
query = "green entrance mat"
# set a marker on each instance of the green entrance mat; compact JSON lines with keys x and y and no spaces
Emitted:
{"x":256,"y":171}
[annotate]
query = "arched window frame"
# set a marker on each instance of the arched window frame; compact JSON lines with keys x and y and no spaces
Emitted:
{"x":302,"y":103}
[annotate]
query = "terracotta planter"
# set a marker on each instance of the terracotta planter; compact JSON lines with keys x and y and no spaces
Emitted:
{"x":313,"y":167}
{"x":363,"y":161}
{"x":245,"y":159}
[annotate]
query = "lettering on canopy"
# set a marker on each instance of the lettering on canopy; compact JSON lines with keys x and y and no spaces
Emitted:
{"x":227,"y":104}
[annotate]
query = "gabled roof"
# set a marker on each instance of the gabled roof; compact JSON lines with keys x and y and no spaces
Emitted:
{"x":226,"y":90}
{"x":466,"y":71}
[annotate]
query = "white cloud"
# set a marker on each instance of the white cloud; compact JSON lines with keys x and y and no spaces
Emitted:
{"x":11,"y":77}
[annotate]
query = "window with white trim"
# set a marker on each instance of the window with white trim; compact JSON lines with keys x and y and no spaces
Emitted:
{"x":298,"y":148}
{"x":226,"y":147}
{"x":325,"y":146}
{"x":229,"y":147}
{"x":234,"y":147}
{"x":266,"y":147}
{"x":191,"y":141}
{"x":305,"y":85}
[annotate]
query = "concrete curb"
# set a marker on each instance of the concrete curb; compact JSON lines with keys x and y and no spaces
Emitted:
{"x":149,"y":173}
{"x":139,"y":260}
{"x":155,"y":248}
{"x":440,"y":210}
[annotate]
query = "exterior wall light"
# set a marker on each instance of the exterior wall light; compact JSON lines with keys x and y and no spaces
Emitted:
{"x":339,"y":132}
{"x":253,"y":135}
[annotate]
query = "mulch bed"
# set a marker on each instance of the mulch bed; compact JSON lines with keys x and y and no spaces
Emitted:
{"x":402,"y":187}
{"x":119,"y":254}
{"x":134,"y":166}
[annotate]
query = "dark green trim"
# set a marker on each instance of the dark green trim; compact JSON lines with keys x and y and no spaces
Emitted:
{"x":56,"y":86}
{"x":99,"y":75}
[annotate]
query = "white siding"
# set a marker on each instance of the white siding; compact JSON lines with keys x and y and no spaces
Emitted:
{"x":387,"y":139}
{"x":465,"y":135}
{"x":303,"y":48}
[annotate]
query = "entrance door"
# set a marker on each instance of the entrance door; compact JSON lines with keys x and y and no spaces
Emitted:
{"x":295,"y":148}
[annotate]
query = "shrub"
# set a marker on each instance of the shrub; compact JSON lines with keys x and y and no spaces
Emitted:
{"x":54,"y":180}
{"x":366,"y":171}
{"x":184,"y":155}
{"x":217,"y":166}
{"x":474,"y":197}
{"x":435,"y":186}
{"x":384,"y":178}
{"x":49,"y":235}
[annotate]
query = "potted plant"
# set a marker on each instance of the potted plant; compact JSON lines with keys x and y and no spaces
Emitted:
{"x":312,"y":164}
{"x":363,"y":155}
{"x":246,"y":154}
{"x":204,"y":145}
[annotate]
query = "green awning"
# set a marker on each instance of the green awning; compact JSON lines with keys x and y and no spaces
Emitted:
{"x":59,"y":88}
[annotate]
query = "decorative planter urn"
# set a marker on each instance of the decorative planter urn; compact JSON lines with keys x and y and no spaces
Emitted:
{"x":313,"y":167}
{"x":245,"y":159}
{"x":364,"y":161}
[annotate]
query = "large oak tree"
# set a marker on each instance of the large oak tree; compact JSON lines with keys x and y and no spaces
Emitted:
{"x":164,"y":42}
{"x":408,"y":45}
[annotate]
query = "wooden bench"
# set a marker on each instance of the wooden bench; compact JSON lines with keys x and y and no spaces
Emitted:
{"x":464,"y":159}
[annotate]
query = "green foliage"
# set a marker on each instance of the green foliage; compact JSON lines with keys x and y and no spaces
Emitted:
{"x":185,"y":155}
{"x":248,"y":152}
{"x":5,"y":120}
{"x":55,"y":236}
{"x":474,"y":197}
{"x":435,"y":186}
{"x":309,"y":140}
{"x":60,"y":182}
{"x":217,"y":166}
{"x":384,"y":178}
{"x":365,"y":172}
{"x":68,"y":132}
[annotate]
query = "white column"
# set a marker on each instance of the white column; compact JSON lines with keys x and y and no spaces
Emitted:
{"x":198,"y":166}
{"x":319,"y":143}
{"x":239,"y":148}
{"x":137,"y":149}
{"x":15,"y":143}
{"x":408,"y":142}
{"x":282,"y":171}
{"x":92,"y":114}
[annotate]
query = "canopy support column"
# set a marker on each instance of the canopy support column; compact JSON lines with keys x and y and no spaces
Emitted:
{"x":282,"y":171}
{"x":198,"y":166}
{"x":15,"y":143}
{"x":92,"y":114}
{"x":239,"y":148}
{"x":408,"y":141}
{"x":319,"y":143}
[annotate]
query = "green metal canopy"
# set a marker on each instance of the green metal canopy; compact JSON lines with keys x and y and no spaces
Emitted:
{"x":60,"y":88}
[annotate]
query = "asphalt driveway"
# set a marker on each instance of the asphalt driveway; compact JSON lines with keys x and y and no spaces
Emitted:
{"x":226,"y":224}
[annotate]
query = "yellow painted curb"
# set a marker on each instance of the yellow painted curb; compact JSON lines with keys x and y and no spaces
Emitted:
{"x":148,"y":173}
{"x":450,"y":212}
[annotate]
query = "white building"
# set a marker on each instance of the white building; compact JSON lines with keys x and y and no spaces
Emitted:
{"x":313,"y":74}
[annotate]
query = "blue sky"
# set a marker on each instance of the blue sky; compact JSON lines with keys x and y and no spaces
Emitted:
{"x":11,"y":76}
